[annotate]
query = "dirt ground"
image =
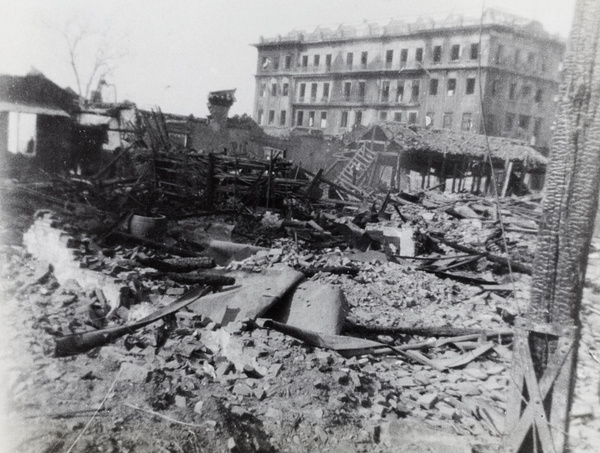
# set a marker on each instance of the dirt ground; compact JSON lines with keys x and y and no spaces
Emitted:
{"x":247,"y":389}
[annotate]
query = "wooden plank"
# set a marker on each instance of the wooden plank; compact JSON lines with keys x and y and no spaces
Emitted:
{"x":516,"y":384}
{"x":519,"y":426}
{"x":559,"y":411}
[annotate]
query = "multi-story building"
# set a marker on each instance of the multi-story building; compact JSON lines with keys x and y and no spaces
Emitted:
{"x":438,"y":74}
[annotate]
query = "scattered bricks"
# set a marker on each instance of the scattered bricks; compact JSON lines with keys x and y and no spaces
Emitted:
{"x":180,"y":401}
{"x":175,"y":291}
{"x":260,"y":393}
{"x":321,"y":434}
{"x":405,"y":382}
{"x":231,"y":445}
{"x":133,"y":372}
{"x":242,"y":389}
{"x":422,"y":378}
{"x":47,"y":243}
{"x":446,"y":411}
{"x":224,"y":368}
{"x":428,"y":401}
{"x":275,"y":369}
{"x":257,"y":373}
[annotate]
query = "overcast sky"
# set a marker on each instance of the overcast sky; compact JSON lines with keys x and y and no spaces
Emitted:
{"x":176,"y":51}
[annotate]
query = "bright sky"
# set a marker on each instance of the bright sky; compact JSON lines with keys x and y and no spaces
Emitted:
{"x":179,"y":50}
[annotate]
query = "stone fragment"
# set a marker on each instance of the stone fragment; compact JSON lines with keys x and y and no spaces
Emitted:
{"x":242,"y":389}
{"x":466,"y":389}
{"x":446,"y":411}
{"x":254,"y":372}
{"x":421,"y":378}
{"x":133,"y":372}
{"x":225,"y":367}
{"x":198,"y":407}
{"x":405,"y":382}
{"x":476,"y":373}
{"x":274,"y":413}
{"x":180,"y":401}
{"x":321,"y":434}
{"x":428,"y":400}
{"x":176,"y":291}
{"x":260,"y":393}
{"x":275,"y":369}
{"x":231,"y":445}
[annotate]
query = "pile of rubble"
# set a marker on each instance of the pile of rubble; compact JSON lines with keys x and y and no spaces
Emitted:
{"x":380,"y":323}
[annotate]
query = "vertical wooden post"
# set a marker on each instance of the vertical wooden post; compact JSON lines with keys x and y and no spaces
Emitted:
{"x":429,"y":163}
{"x":508,"y":172}
{"x":455,"y":171}
{"x":480,"y":173}
{"x":269,"y":178}
{"x":398,"y":171}
{"x":210,"y":183}
{"x":443,"y":172}
{"x":549,"y":331}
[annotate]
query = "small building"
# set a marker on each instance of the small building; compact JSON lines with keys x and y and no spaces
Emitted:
{"x":393,"y":156}
{"x":36,"y":122}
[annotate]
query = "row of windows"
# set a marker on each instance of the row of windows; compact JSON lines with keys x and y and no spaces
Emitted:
{"x":310,"y":118}
{"x":315,"y":61}
{"x":525,"y":93}
{"x":513,"y":123}
{"x":519,"y":57}
{"x":522,"y":123}
{"x":285,"y":88}
{"x":271,"y":118}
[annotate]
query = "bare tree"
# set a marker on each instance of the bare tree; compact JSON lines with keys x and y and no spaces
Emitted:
{"x":93,"y":55}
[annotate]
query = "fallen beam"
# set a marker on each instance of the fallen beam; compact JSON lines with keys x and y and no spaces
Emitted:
{"x":194,"y":278}
{"x":514,"y":265}
{"x":423,"y":331}
{"x":178,"y":264}
{"x":155,"y":244}
{"x":82,"y":342}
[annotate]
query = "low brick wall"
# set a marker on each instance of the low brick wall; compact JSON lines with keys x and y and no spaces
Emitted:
{"x":47,"y":241}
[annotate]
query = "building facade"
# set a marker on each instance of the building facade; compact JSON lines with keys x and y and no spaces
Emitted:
{"x":426,"y":73}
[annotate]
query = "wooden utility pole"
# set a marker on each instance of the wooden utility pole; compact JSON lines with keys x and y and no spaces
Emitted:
{"x":547,"y":336}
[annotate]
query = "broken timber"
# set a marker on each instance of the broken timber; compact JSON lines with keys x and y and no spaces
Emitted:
{"x":546,"y":405}
{"x":518,"y":267}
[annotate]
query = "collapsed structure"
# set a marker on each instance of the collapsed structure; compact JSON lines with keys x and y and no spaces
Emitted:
{"x":250,"y":303}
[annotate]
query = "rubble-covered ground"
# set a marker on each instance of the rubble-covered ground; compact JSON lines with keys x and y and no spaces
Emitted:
{"x":182,"y":385}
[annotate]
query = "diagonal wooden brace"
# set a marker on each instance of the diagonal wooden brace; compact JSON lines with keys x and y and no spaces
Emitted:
{"x":534,"y":416}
